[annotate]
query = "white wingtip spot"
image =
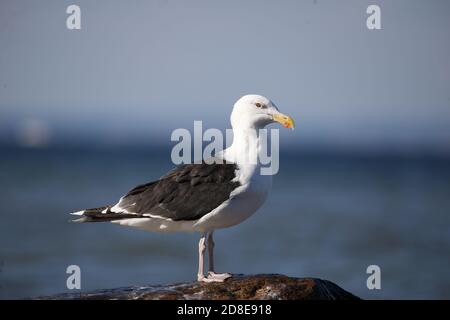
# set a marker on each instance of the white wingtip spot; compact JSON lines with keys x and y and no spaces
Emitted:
{"x":78,"y":213}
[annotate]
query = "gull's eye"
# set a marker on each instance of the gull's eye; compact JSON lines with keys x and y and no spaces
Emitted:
{"x":259,"y":105}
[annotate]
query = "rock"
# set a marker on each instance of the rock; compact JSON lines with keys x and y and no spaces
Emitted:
{"x":255,"y":287}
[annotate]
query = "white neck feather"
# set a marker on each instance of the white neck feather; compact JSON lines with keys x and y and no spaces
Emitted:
{"x":245,"y":148}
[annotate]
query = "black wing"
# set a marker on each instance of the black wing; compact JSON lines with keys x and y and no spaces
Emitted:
{"x":188,"y":192}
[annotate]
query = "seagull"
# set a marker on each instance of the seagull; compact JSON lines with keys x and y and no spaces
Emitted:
{"x":216,"y":193}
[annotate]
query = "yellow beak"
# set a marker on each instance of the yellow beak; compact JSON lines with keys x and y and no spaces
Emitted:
{"x":284,"y":120}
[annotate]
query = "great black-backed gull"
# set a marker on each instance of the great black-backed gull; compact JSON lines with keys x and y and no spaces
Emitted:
{"x":203,"y":197}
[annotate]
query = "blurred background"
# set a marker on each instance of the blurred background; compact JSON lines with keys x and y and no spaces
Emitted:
{"x":85,"y":115}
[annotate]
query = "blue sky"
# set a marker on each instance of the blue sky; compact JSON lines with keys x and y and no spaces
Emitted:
{"x":139,"y":69}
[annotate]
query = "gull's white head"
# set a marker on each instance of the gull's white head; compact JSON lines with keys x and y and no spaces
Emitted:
{"x":253,"y":111}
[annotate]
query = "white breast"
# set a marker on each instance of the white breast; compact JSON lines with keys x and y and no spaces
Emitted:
{"x":244,"y":200}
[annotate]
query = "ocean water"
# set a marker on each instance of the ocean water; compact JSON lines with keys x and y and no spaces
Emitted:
{"x":328,"y":216}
